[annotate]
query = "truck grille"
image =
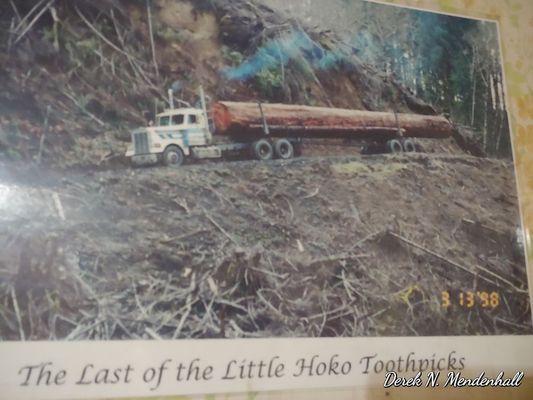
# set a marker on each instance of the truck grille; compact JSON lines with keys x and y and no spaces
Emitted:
{"x":140,"y":140}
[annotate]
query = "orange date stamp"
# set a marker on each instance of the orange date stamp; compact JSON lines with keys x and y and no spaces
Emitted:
{"x":470,"y":299}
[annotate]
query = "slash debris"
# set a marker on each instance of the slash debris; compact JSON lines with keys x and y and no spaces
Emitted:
{"x":346,"y":246}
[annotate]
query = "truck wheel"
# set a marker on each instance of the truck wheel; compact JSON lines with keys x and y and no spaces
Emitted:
{"x":394,"y":146}
{"x":409,"y":146}
{"x":173,"y":156}
{"x":283,"y":149}
{"x":263,"y":150}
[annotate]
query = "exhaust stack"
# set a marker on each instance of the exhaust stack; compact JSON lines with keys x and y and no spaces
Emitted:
{"x":171,"y":98}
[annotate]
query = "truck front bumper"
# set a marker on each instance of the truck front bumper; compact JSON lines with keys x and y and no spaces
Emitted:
{"x":145,"y":159}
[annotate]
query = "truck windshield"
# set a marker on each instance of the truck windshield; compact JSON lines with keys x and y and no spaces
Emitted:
{"x":171,"y":120}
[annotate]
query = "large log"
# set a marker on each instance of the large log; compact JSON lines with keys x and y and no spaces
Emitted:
{"x":243,"y":119}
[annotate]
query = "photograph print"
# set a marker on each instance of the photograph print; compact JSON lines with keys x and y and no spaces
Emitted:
{"x":178,"y":169}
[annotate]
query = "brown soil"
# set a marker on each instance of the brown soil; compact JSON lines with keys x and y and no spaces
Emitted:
{"x":330,"y":246}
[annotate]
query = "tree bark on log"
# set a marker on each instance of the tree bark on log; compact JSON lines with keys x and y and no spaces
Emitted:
{"x":247,"y":119}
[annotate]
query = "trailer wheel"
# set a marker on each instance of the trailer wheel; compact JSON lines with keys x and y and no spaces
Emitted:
{"x":409,"y":146}
{"x":283,"y":149}
{"x":394,"y":146}
{"x":173,"y":156}
{"x":262,"y":150}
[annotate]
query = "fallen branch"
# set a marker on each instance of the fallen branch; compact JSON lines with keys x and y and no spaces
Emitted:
{"x":59,"y":206}
{"x":16,"y":11}
{"x":99,"y":34}
{"x":150,"y":29}
{"x":152,"y":334}
{"x":271,"y":307}
{"x":82,"y":108}
{"x":136,"y":68}
{"x":184,"y":236}
{"x":10,"y":36}
{"x":459,"y":266}
{"x":27,"y":16}
{"x":366,"y":238}
{"x":346,"y":255}
{"x":189,"y":303}
{"x":43,"y":136}
{"x":78,"y":331}
{"x":326,"y":314}
{"x":17,"y":312}
{"x":475,"y":223}
{"x":35,"y":19}
{"x":220,"y":228}
{"x":311,"y":195}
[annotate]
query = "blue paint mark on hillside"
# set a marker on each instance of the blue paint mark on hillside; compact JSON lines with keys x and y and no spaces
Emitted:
{"x":296,"y":45}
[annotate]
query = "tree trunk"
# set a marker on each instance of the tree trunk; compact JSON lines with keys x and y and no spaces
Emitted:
{"x":245,"y":119}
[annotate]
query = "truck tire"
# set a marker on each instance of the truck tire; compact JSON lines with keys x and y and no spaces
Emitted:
{"x":283,"y":149}
{"x":394,"y":146}
{"x":173,"y":156}
{"x":262,"y":150}
{"x":409,"y":146}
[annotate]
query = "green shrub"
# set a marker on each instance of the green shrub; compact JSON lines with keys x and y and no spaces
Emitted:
{"x":232,"y":57}
{"x":167,"y":33}
{"x":269,"y":82}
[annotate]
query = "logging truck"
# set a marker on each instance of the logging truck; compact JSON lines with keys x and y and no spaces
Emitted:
{"x":266,"y":131}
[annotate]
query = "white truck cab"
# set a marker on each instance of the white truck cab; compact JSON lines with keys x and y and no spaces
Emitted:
{"x":173,"y":137}
{"x":180,"y":133}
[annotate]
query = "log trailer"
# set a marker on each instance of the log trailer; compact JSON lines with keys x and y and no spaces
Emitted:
{"x":266,"y":131}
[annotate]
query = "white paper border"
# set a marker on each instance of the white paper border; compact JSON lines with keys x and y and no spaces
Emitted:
{"x":491,"y":354}
{"x":481,"y":353}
